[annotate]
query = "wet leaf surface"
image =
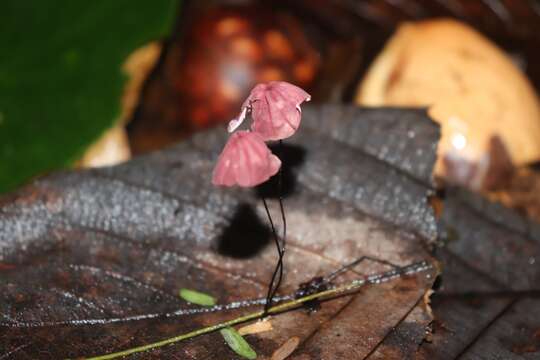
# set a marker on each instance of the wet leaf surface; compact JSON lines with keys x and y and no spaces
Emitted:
{"x":490,"y":283}
{"x":92,"y":261}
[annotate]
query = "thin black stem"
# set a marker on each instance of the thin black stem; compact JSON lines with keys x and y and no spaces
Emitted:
{"x":281,"y":250}
{"x":280,"y":191}
{"x":274,"y":285}
{"x":279,"y":266}
{"x":283,"y":220}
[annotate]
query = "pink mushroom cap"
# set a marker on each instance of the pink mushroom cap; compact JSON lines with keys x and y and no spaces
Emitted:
{"x":275,"y":109}
{"x":245,"y":161}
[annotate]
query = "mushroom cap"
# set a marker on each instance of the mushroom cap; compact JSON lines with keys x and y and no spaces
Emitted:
{"x":245,"y":161}
{"x":276,"y":109}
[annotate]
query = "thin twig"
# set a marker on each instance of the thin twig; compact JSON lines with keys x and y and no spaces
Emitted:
{"x":354,"y":285}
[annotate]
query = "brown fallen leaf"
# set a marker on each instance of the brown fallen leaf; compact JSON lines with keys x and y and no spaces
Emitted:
{"x":99,"y":255}
{"x":286,"y":349}
{"x":487,"y":303}
{"x":522,"y":193}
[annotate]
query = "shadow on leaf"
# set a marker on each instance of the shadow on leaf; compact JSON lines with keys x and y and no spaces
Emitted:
{"x":245,"y":236}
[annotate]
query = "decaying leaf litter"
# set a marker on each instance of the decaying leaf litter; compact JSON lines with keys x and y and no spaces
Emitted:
{"x":153,"y":226}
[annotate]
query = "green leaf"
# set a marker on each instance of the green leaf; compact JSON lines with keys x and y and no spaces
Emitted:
{"x":196,"y":297}
{"x":60,"y":76}
{"x":238,"y":343}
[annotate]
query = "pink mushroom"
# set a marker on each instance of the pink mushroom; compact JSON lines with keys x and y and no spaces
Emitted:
{"x":245,"y":161}
{"x":275,"y":109}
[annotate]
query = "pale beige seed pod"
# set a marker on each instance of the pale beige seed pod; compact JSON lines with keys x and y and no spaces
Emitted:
{"x":470,"y":86}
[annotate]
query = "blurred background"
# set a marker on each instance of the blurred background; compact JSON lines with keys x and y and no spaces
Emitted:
{"x":93,"y":84}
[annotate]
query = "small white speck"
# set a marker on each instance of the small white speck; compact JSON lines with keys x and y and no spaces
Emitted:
{"x":459,"y":141}
{"x":532,"y":260}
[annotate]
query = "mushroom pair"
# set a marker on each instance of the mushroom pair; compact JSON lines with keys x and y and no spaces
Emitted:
{"x":246,"y":160}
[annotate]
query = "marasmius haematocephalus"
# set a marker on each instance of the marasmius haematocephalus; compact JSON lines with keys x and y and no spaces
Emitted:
{"x":275,"y":109}
{"x":246,"y":160}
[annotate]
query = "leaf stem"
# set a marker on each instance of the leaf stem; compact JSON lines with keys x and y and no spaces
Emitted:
{"x":354,"y":285}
